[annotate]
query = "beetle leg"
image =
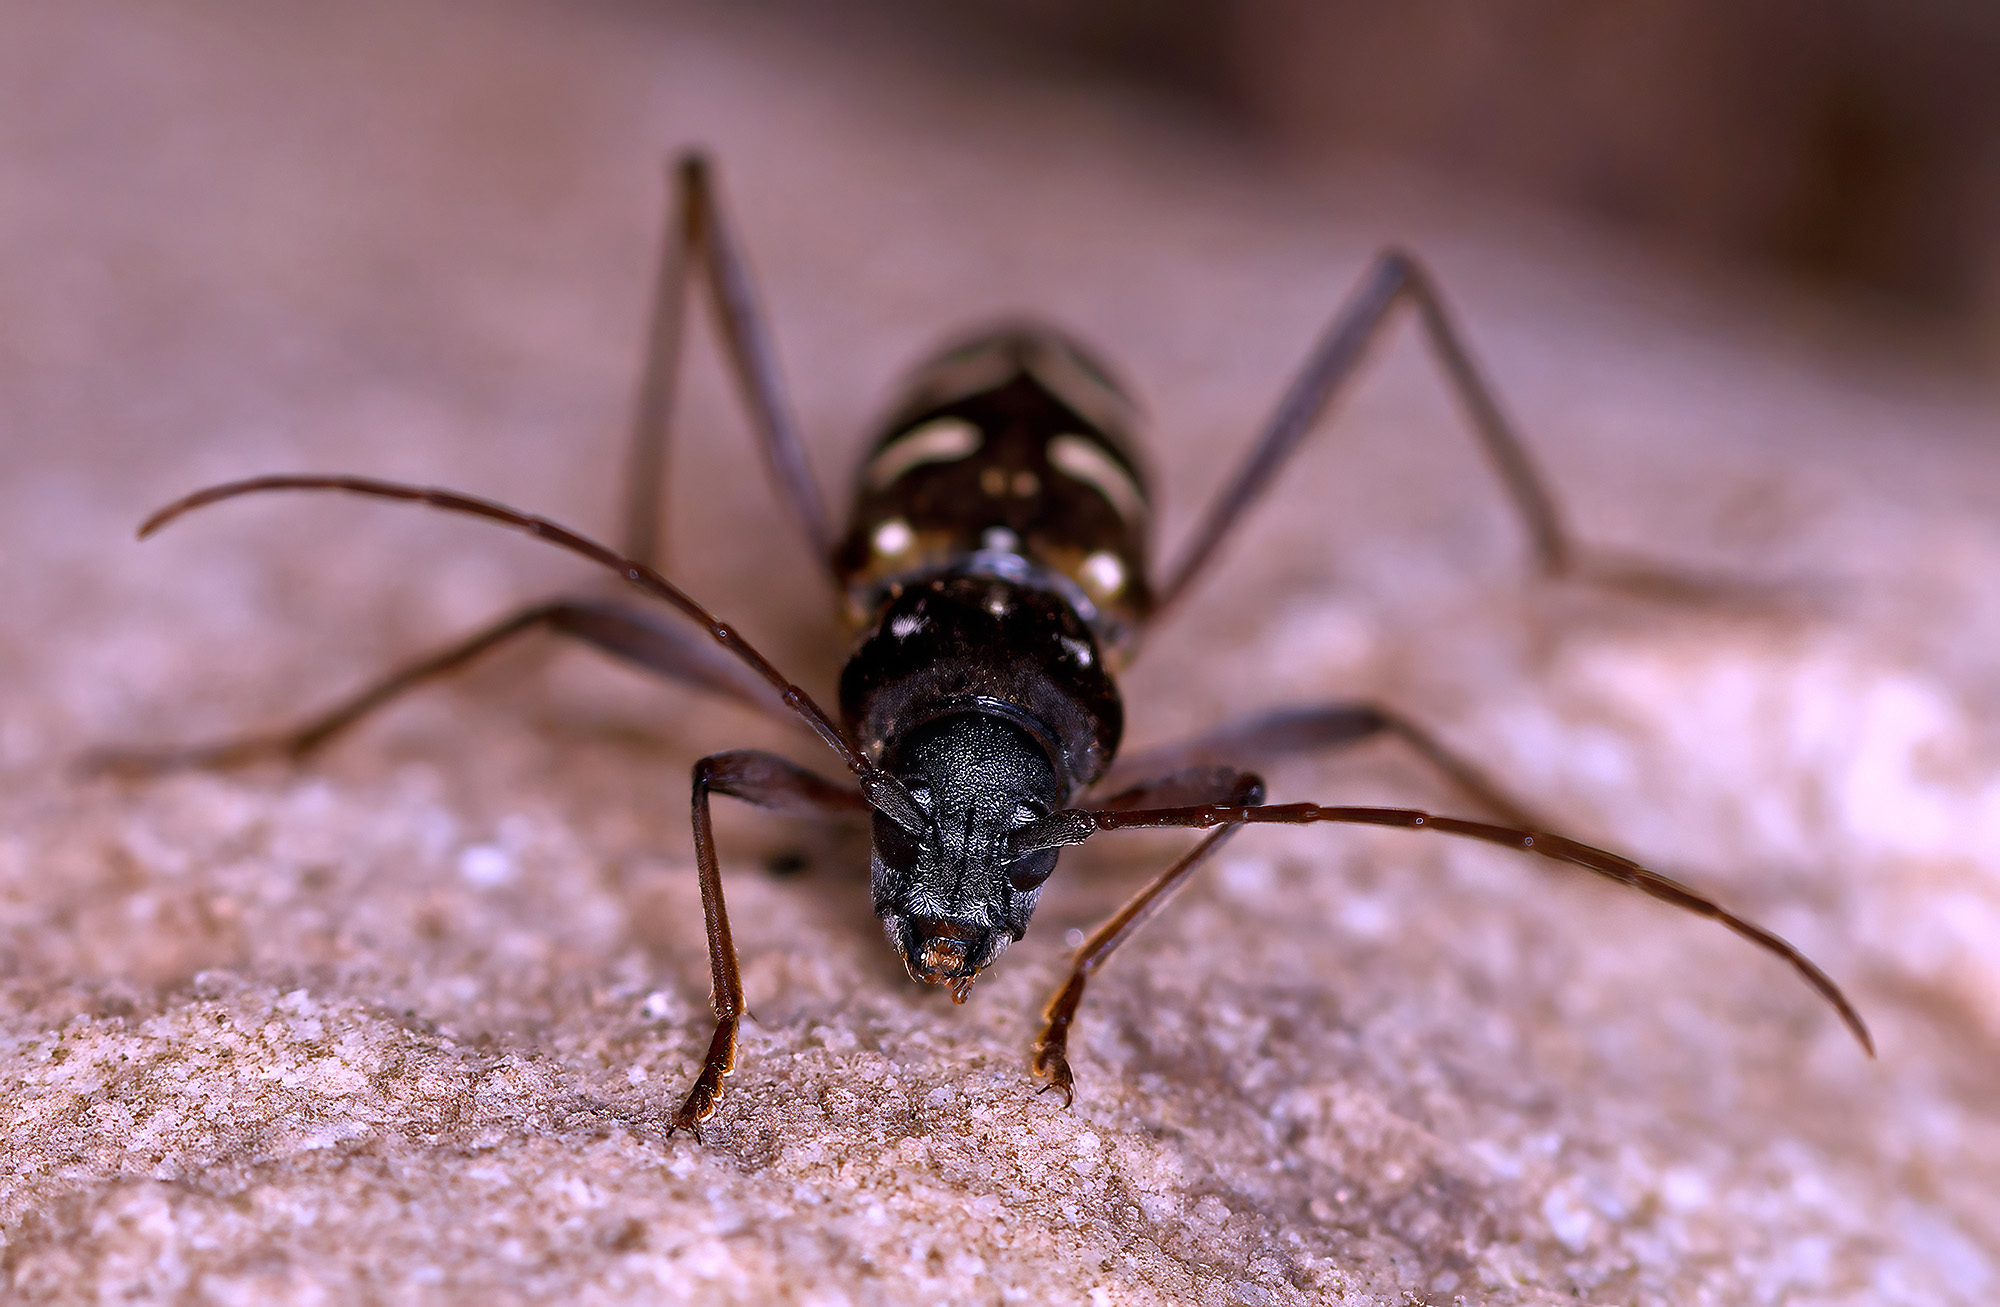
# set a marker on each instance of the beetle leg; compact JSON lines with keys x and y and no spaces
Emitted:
{"x":1396,"y":276}
{"x":768,"y":781}
{"x":1195,"y":784}
{"x":651,"y":640}
{"x":699,"y":236}
{"x":1322,"y":728}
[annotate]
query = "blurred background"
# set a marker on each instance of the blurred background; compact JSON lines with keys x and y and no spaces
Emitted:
{"x":1853,"y":145}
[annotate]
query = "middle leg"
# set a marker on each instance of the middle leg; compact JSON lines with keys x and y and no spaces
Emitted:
{"x":1265,"y":738}
{"x":651,"y":640}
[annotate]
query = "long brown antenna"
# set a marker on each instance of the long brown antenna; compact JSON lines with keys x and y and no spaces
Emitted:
{"x":1074,"y":825}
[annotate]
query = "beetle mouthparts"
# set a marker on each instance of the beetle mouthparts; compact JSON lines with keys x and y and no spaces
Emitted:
{"x":946,"y":953}
{"x":942,"y":960}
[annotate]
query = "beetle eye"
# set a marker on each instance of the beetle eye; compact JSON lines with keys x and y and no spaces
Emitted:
{"x":1027,"y":873}
{"x":922,"y":795}
{"x":1025,"y":813}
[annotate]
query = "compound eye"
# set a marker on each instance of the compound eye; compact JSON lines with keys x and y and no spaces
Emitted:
{"x":1027,"y":813}
{"x":898,"y":849}
{"x":1028,"y":871}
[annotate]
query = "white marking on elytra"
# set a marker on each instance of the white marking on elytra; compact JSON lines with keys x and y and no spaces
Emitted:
{"x":1078,"y":650}
{"x":940,"y":440}
{"x":907,"y":625}
{"x":1085,"y":459}
{"x":1103,"y":573}
{"x":996,"y":601}
{"x":893,"y":537}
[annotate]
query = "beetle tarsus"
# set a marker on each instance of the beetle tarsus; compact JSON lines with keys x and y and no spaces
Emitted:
{"x":1051,"y":1065}
{"x":708,"y":1086}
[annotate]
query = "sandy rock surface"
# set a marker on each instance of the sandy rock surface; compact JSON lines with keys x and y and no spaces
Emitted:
{"x":405,"y":1023}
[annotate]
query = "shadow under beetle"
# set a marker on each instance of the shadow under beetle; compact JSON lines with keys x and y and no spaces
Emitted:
{"x":996,"y":567}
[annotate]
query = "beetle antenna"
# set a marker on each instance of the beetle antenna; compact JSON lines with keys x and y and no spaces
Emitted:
{"x":1541,"y":843}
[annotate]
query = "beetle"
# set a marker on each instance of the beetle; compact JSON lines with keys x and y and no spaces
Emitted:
{"x":996,"y":569}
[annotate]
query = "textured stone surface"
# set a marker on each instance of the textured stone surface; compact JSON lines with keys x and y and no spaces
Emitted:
{"x":405,"y":1023}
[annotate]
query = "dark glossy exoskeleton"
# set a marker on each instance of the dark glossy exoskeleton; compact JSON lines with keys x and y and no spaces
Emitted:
{"x":996,"y":563}
{"x":996,"y":571}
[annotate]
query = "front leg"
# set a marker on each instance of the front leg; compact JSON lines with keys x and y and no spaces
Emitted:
{"x":1191,"y":785}
{"x":707,"y":1092}
{"x":768,"y":781}
{"x":1050,"y":1060}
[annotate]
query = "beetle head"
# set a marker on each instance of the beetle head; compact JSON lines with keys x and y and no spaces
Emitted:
{"x":948,"y":885}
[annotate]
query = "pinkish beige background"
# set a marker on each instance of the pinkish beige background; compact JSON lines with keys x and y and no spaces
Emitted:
{"x":403,"y":1025}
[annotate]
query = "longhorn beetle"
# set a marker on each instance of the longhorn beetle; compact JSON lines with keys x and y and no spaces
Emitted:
{"x":996,"y":568}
